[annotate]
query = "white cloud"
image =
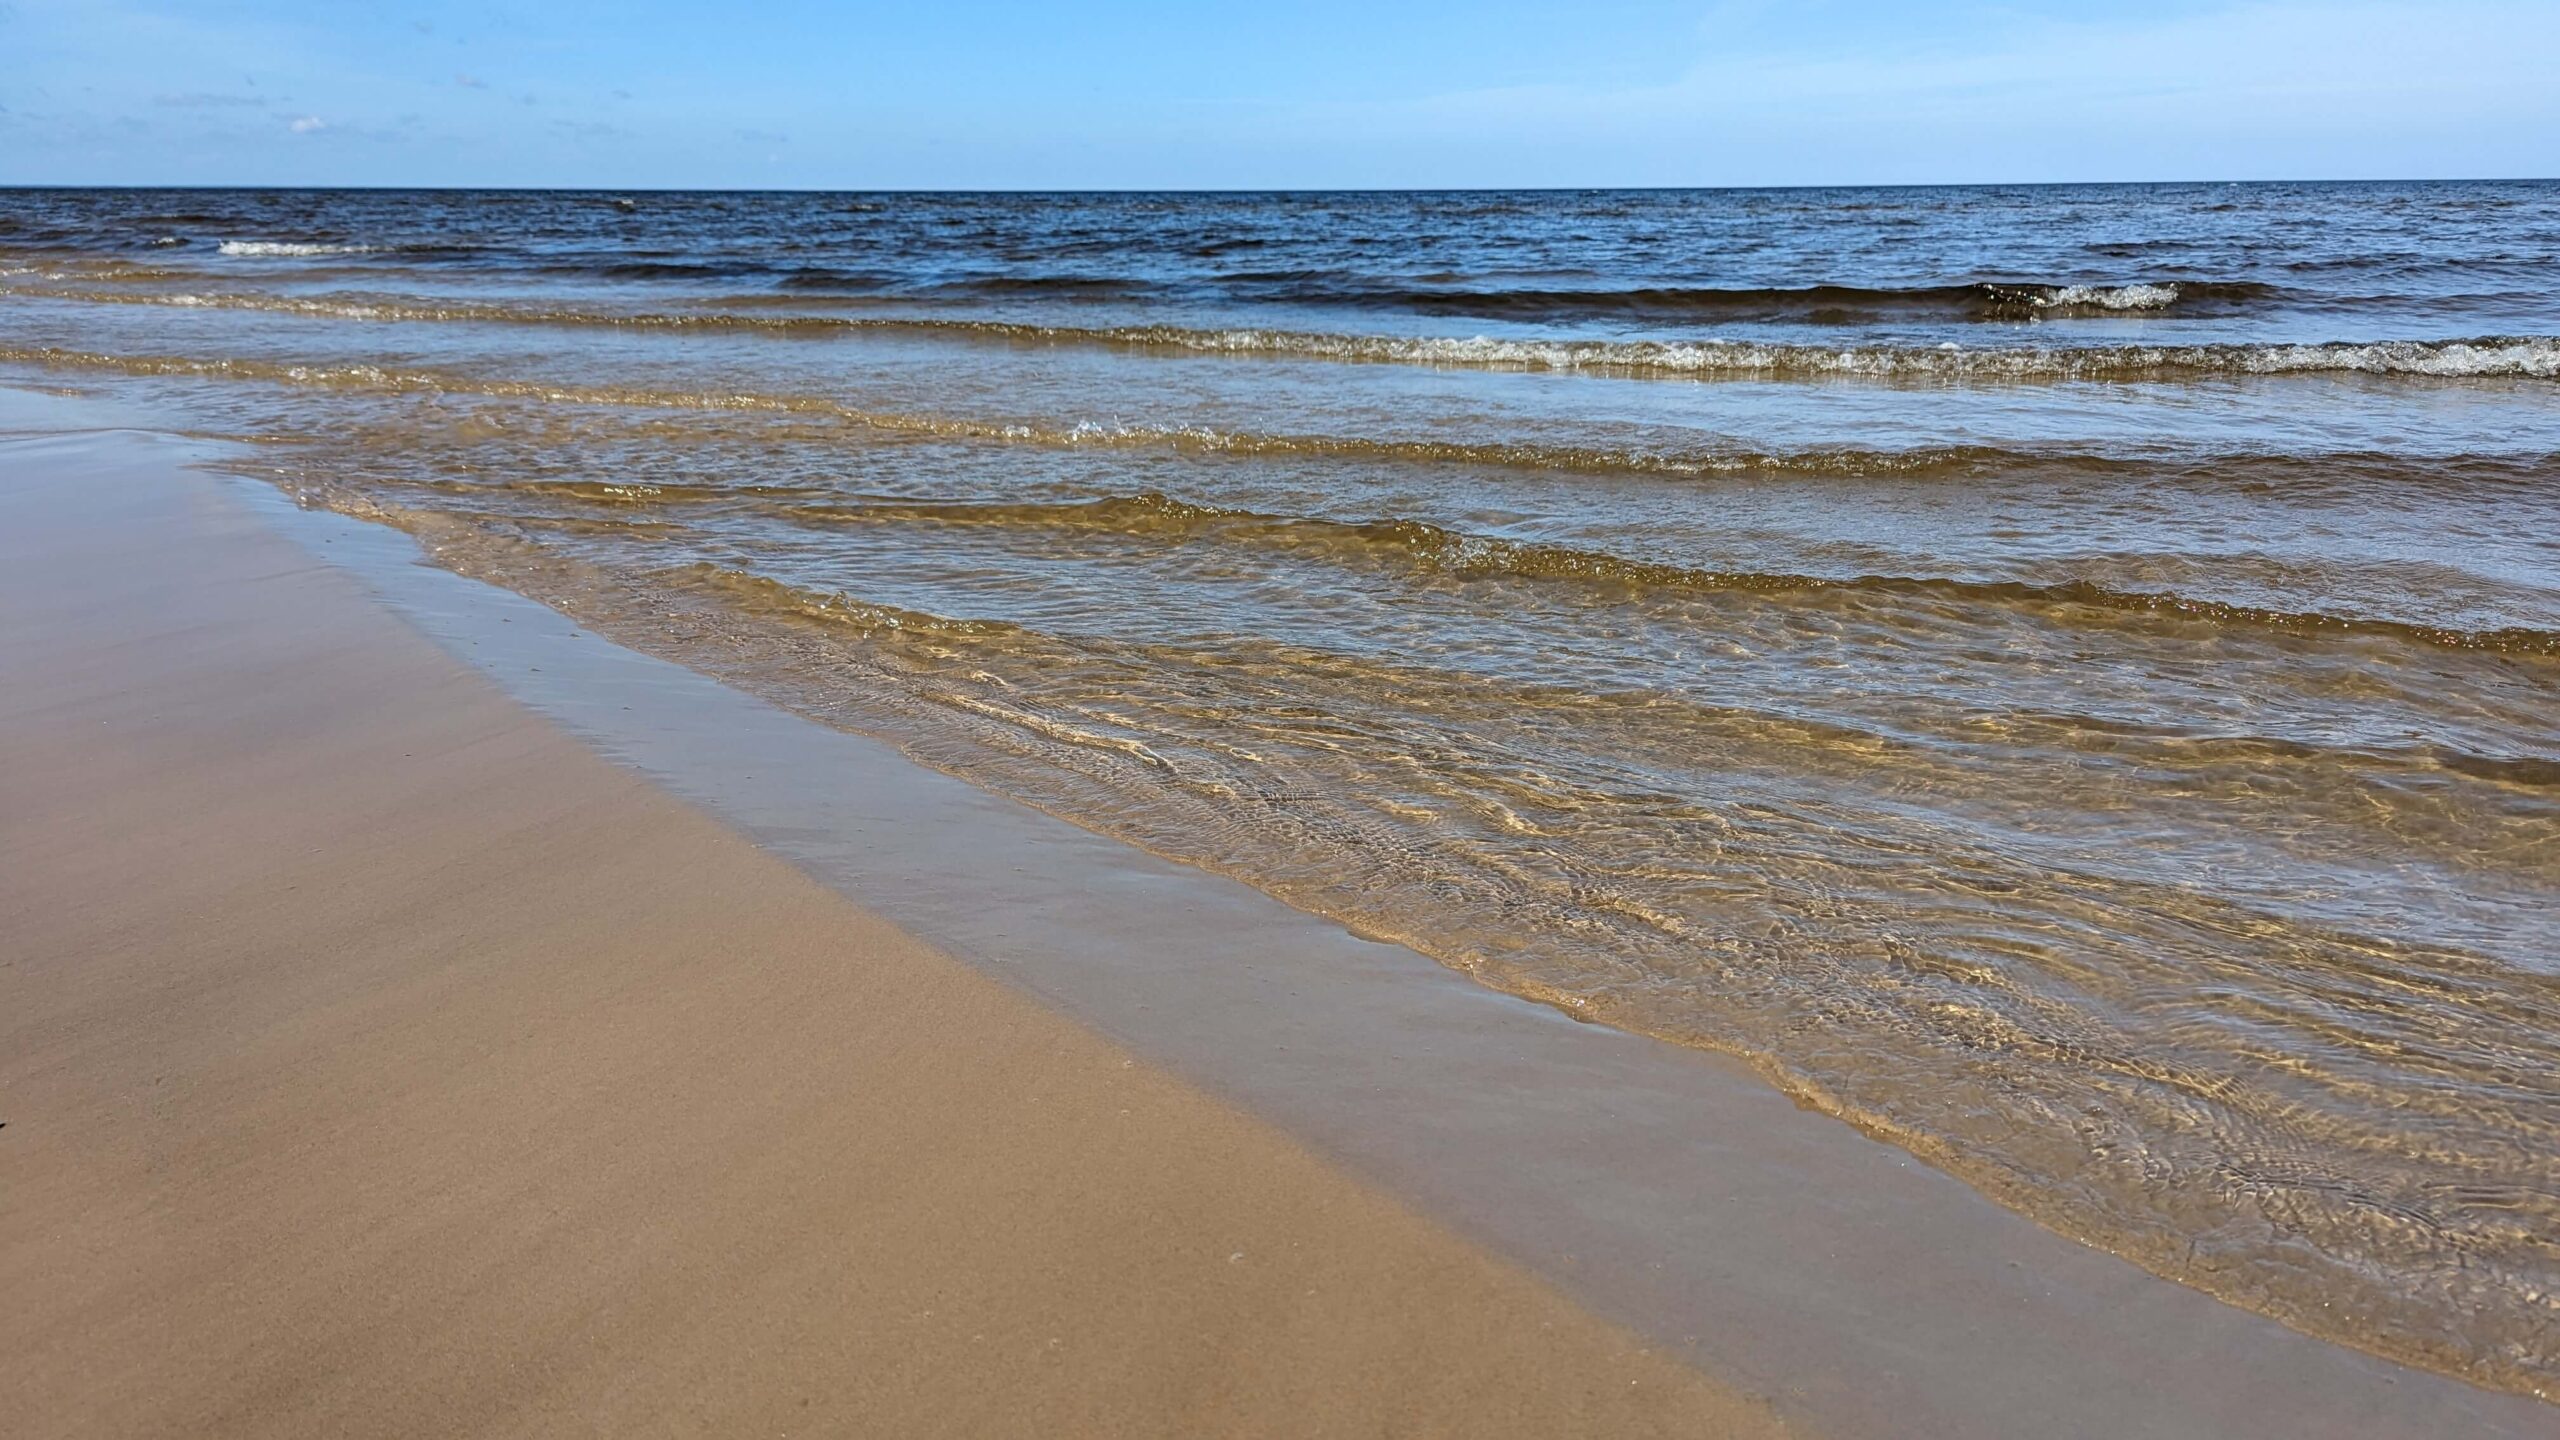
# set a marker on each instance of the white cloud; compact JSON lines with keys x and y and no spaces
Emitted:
{"x":307,"y":124}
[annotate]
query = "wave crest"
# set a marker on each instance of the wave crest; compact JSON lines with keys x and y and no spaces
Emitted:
{"x":1465,"y":555}
{"x":2494,"y":356}
{"x":281,"y":248}
{"x":1826,"y":304}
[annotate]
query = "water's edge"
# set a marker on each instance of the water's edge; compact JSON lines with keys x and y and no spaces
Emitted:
{"x":1670,"y":1189}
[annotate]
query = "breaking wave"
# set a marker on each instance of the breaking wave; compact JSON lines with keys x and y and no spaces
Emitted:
{"x":2509,"y":356}
{"x":280,"y":248}
{"x":1822,"y":304}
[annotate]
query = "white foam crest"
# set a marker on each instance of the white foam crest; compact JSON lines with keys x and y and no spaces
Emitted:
{"x":2536,"y":357}
{"x":290,"y":247}
{"x":2113,"y":297}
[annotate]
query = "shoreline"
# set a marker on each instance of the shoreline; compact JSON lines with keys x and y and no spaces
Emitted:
{"x":379,"y":1061}
{"x":1671,"y":1192}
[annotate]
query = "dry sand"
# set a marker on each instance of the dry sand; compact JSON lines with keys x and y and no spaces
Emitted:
{"x":377,"y":1060}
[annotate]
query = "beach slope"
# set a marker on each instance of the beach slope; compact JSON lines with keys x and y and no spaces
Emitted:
{"x":375,"y":1060}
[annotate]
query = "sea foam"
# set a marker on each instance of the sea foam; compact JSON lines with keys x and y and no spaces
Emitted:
{"x":291,"y":247}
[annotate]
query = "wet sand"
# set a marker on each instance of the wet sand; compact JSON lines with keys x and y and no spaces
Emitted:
{"x":379,"y":1060}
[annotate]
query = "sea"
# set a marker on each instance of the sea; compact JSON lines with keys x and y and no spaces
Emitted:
{"x":2064,"y":679}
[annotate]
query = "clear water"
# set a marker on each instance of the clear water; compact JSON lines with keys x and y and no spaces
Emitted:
{"x":2067,"y":679}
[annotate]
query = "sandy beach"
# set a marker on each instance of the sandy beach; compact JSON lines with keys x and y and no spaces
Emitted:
{"x":1820,"y":721}
{"x":425,"y":1016}
{"x":380,"y":1061}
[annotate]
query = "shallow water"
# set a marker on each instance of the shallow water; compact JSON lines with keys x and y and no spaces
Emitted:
{"x":2067,"y":679}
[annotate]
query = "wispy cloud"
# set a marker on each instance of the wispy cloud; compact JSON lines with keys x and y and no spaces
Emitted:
{"x":1724,"y":92}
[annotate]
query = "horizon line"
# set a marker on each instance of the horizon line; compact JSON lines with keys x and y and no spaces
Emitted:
{"x":594,"y":189}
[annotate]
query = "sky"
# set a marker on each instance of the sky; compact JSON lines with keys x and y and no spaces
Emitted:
{"x":1137,"y":94}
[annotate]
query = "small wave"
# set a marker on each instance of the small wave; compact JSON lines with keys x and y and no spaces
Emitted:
{"x":1922,"y":463}
{"x":1471,"y":556}
{"x":659,"y":270}
{"x":1191,"y":439}
{"x":1829,"y":304}
{"x":1076,"y":287}
{"x":2536,"y":357}
{"x":760,"y":594}
{"x":824,"y":279}
{"x":1811,"y":303}
{"x":2513,"y":356}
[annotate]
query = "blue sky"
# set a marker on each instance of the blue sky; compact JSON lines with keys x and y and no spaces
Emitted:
{"x":1130,"y":93}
